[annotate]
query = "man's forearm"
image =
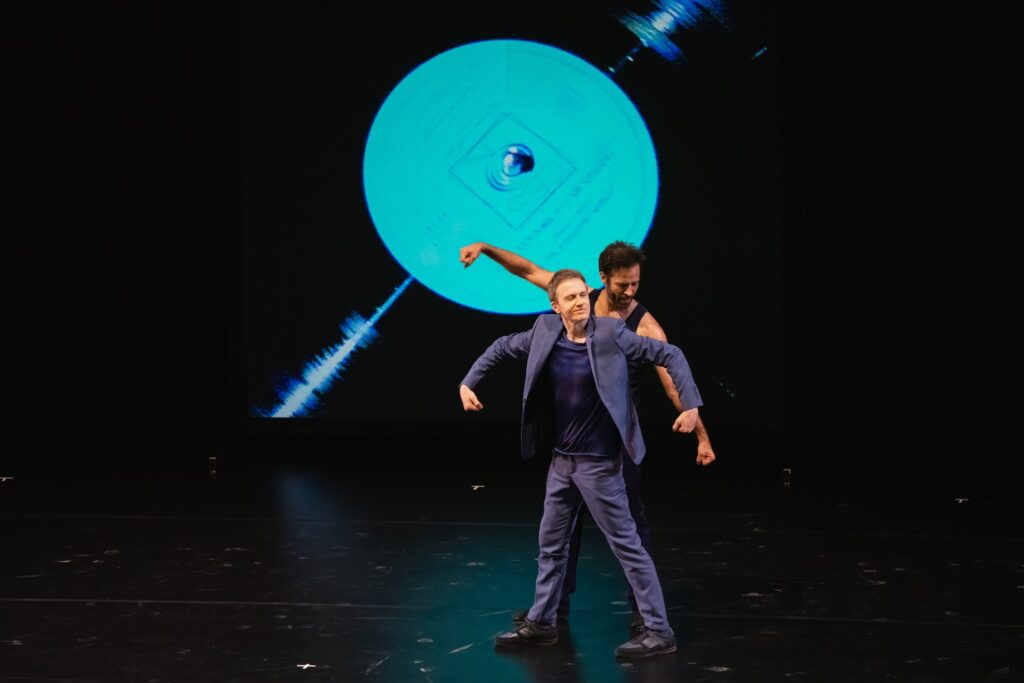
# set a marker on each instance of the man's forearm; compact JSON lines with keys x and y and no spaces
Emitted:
{"x":701,"y":431}
{"x":685,"y":389}
{"x":670,"y":388}
{"x":510,"y":261}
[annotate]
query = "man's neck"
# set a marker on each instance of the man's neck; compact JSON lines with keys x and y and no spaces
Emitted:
{"x":576,"y":332}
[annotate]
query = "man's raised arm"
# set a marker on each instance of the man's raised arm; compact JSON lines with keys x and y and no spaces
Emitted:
{"x":503,"y":348}
{"x":510,"y":261}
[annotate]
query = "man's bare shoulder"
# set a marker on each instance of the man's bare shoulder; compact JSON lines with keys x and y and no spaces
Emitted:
{"x":649,"y":327}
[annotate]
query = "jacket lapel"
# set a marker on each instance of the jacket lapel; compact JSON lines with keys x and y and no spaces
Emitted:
{"x":544,"y":339}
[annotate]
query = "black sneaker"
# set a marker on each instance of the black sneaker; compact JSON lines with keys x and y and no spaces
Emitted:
{"x":647,"y":644}
{"x":561,"y":617}
{"x":530,"y":633}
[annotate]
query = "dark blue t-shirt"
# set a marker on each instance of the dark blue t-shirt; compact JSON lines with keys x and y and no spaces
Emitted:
{"x":582,"y":423}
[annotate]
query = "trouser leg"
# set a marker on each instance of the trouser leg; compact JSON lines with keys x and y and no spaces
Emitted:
{"x":603,"y":488}
{"x":561,"y":503}
{"x":631,"y":477}
{"x":569,"y":585}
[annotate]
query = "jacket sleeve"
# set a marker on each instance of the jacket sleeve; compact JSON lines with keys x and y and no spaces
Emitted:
{"x":503,"y":348}
{"x":666,"y":355}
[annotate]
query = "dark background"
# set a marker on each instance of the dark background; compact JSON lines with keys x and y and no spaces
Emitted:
{"x":134,"y":163}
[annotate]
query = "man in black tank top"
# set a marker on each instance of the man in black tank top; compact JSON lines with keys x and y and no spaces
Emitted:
{"x":632,"y":323}
{"x":619,"y":265}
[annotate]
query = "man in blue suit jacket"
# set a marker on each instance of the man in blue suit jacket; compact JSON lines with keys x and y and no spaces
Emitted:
{"x":576,"y":406}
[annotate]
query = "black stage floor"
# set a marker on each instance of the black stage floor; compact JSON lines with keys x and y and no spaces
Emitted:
{"x":400,"y":567}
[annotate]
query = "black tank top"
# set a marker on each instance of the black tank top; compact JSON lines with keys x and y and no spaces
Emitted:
{"x":632,"y":323}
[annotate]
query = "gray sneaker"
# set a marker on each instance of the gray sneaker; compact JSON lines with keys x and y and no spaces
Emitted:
{"x":647,"y":644}
{"x":530,"y":633}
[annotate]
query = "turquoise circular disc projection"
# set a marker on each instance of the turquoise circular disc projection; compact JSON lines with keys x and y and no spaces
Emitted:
{"x":514,"y":143}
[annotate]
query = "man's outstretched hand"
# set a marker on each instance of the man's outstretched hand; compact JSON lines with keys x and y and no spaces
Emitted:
{"x":469,"y":399}
{"x":470,"y":253}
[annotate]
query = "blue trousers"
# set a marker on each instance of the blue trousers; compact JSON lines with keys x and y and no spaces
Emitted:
{"x":598,"y":483}
{"x":631,"y":475}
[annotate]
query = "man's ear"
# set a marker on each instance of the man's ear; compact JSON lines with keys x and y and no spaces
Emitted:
{"x":554,"y":307}
{"x":604,"y":279}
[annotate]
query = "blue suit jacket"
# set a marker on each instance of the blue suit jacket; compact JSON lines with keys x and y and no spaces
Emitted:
{"x":609,"y":344}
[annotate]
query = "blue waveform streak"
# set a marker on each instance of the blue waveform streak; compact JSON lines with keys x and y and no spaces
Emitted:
{"x":664,"y":29}
{"x":327,"y":366}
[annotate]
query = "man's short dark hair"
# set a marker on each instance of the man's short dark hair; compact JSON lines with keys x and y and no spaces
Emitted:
{"x":561,"y":276}
{"x":619,"y":254}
